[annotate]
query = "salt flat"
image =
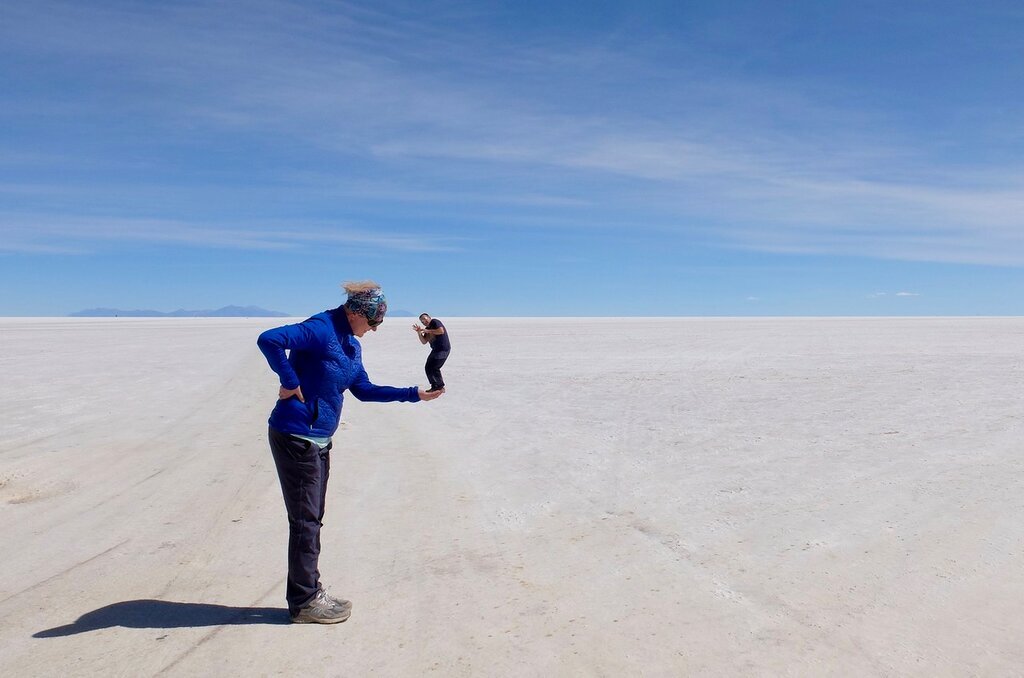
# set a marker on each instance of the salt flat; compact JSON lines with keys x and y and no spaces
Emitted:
{"x":656,"y":497}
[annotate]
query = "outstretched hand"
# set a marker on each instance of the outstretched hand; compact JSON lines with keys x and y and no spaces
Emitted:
{"x":286,"y":393}
{"x":417,"y":327}
{"x":430,"y":395}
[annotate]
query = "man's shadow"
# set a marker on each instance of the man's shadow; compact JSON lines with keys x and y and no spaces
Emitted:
{"x":162,"y":614}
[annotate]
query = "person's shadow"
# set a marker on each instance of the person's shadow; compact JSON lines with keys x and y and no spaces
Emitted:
{"x":162,"y":614}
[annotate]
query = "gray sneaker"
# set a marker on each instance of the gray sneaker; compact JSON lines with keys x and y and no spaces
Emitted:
{"x":323,"y":609}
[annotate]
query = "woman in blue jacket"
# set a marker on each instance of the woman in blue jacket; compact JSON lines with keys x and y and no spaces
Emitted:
{"x":323,"y":360}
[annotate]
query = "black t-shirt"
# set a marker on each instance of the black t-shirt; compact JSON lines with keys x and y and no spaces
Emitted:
{"x":439,"y":342}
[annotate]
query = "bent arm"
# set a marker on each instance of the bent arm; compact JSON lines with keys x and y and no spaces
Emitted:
{"x":366,"y":391}
{"x":274,"y":342}
{"x":421,"y":332}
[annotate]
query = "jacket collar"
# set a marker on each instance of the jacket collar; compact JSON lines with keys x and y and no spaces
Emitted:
{"x":340,"y":320}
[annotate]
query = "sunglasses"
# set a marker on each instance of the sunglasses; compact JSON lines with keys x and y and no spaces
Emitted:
{"x":374,"y":323}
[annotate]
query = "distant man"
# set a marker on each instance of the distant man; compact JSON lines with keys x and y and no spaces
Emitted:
{"x":433,"y":331}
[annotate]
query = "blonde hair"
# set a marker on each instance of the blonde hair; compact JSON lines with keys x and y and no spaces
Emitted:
{"x":360,"y":286}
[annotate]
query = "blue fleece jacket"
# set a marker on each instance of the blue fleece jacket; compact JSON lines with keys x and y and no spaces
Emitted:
{"x":324,"y":358}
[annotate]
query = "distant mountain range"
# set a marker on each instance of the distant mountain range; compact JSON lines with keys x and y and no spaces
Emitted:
{"x":226,"y":312}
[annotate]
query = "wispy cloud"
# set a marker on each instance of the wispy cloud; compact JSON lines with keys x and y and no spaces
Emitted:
{"x":877,"y":295}
{"x":456,"y":118}
{"x":80,"y":235}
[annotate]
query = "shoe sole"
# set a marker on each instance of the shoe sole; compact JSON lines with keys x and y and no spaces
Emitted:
{"x":338,"y":620}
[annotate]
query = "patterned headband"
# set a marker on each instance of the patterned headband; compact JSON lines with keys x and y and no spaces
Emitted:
{"x":371,"y":304}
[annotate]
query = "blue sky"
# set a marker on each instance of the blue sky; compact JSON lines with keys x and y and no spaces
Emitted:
{"x":514,"y":158}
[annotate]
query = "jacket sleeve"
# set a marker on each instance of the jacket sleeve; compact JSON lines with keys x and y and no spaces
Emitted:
{"x":362,"y":389}
{"x":274,"y":342}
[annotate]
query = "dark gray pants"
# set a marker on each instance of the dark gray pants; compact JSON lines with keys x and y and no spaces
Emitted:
{"x":433,"y":368}
{"x":303,"y":468}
